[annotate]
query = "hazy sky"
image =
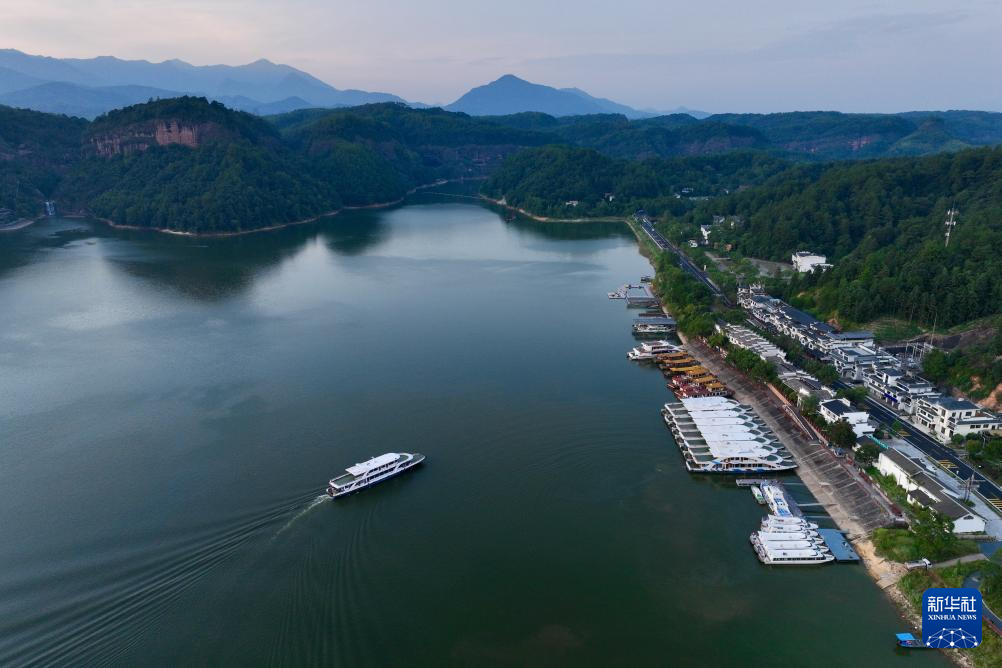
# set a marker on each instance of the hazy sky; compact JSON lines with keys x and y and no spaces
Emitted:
{"x":718,"y":55}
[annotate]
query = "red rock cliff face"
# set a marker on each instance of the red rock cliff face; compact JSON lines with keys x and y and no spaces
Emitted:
{"x":138,"y":138}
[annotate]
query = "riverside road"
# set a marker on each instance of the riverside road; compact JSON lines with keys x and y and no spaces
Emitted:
{"x":946,"y":456}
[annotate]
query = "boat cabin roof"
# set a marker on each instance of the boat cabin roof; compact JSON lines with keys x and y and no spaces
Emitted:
{"x":366,"y":466}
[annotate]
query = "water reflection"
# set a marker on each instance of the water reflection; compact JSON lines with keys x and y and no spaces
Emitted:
{"x":205,"y":269}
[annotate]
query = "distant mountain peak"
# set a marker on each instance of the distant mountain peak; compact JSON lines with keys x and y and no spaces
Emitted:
{"x":92,"y":86}
{"x":510,"y":94}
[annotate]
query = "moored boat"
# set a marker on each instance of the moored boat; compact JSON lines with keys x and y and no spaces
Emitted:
{"x":910,"y":641}
{"x":649,"y":350}
{"x":757,"y":493}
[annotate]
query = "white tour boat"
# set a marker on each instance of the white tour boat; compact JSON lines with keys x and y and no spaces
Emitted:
{"x":372,"y":471}
{"x":770,"y":553}
{"x":651,"y":349}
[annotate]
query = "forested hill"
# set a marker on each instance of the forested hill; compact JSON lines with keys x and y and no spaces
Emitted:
{"x":188,"y":164}
{"x":563,"y":181}
{"x":801,"y":136}
{"x":36,"y":149}
{"x":882,"y":225}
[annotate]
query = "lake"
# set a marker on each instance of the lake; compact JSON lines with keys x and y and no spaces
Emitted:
{"x":172,"y":408}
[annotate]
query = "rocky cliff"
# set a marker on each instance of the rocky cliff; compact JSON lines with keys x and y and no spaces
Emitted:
{"x":141,"y":136}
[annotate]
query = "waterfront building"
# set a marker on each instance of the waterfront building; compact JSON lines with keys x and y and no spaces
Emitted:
{"x":924,"y":490}
{"x":742,"y":337}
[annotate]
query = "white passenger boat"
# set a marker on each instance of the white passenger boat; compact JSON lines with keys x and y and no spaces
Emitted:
{"x":372,"y":471}
{"x":652,"y":328}
{"x":773,"y":523}
{"x":757,"y":493}
{"x":774,"y":545}
{"x":650,"y":350}
{"x":773,"y":554}
{"x":774,"y":536}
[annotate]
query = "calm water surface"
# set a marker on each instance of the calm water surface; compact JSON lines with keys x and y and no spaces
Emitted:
{"x":170,"y":410}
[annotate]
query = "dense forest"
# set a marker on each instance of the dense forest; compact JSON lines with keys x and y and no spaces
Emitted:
{"x":36,"y":150}
{"x":881,"y":224}
{"x":549,"y":179}
{"x":815,"y":136}
{"x":190,"y":165}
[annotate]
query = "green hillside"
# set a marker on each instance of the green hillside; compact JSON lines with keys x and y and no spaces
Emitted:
{"x":36,"y":151}
{"x":543,"y":180}
{"x":881,"y":224}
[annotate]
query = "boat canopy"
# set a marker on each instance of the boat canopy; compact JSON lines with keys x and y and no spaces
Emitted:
{"x":375,"y":462}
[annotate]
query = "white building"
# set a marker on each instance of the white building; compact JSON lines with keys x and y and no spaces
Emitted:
{"x":925,"y":491}
{"x":706,"y":230}
{"x":897,"y":388}
{"x":805,"y":261}
{"x":742,"y":337}
{"x":834,"y":410}
{"x":947,"y":416}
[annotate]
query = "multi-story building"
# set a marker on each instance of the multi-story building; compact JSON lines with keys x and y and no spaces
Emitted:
{"x":778,"y":316}
{"x":834,"y":410}
{"x":742,"y":337}
{"x":946,"y":417}
{"x":925,"y":491}
{"x":897,"y":388}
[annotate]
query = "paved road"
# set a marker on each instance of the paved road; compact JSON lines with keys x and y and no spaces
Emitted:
{"x":991,"y":492}
{"x":683,"y":260}
{"x":988,"y":490}
{"x":973,"y":581}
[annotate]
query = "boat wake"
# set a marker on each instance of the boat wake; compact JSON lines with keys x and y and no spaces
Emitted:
{"x":310,"y":506}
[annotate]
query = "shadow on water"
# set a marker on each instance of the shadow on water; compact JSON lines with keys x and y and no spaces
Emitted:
{"x":205,"y":269}
{"x":355,"y":232}
{"x":570,"y":231}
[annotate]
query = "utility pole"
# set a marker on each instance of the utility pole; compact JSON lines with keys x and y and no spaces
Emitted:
{"x":968,"y":488}
{"x":951,"y":222}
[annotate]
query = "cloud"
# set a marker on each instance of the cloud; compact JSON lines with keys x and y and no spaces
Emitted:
{"x":852,"y":35}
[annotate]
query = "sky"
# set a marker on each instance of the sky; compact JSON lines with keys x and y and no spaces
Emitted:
{"x":713,"y":55}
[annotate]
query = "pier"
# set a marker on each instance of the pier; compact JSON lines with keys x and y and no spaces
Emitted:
{"x":839,"y":545}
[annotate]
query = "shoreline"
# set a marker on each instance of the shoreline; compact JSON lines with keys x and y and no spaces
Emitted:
{"x":270,"y":228}
{"x":885,"y":573}
{"x":546,"y":219}
{"x":21,"y":223}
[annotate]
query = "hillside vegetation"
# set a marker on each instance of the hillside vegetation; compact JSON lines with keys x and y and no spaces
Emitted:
{"x":881,"y":224}
{"x":543,"y":180}
{"x":188,"y":164}
{"x":36,"y":150}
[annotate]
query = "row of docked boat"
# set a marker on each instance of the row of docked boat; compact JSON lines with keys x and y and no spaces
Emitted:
{"x":789,"y":540}
{"x":687,"y":378}
{"x":719,"y":435}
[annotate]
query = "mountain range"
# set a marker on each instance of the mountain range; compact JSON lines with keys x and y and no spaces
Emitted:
{"x":88,"y":87}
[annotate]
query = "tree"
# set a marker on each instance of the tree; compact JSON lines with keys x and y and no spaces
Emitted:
{"x":933,"y":531}
{"x":842,"y":435}
{"x":855,"y":395}
{"x":935,"y":366}
{"x":867,"y":453}
{"x":809,"y":406}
